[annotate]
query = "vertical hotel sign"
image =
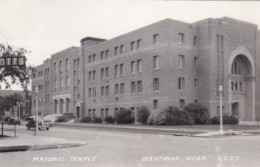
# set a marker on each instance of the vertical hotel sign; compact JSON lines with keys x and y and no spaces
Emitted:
{"x":12,"y":61}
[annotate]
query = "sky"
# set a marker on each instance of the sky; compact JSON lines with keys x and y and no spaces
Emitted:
{"x":45,"y":27}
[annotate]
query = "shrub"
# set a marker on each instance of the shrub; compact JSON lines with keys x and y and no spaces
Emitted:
{"x":226,"y":119}
{"x":110,"y":119}
{"x":97,"y":120}
{"x":143,"y":114}
{"x":151,"y":118}
{"x":170,"y":116}
{"x":198,"y":112}
{"x":86,"y":119}
{"x":124,"y":116}
{"x":61,"y":119}
{"x":159,"y":118}
{"x":175,"y":116}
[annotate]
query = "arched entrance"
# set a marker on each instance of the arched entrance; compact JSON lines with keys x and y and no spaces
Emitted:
{"x":242,"y":85}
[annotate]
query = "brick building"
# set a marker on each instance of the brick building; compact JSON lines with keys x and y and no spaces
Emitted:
{"x":165,"y":63}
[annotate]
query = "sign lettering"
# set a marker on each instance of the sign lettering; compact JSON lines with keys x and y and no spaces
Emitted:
{"x":12,"y":61}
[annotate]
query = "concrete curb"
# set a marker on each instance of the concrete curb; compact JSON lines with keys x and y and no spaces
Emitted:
{"x":39,"y":147}
{"x":55,"y":146}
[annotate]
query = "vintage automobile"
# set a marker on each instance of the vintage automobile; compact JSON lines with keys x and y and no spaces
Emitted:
{"x":9,"y":120}
{"x":31,"y":123}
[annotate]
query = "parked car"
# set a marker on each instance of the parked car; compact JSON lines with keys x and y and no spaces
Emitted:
{"x":51,"y":118}
{"x":14,"y":121}
{"x":11,"y":120}
{"x":31,"y":123}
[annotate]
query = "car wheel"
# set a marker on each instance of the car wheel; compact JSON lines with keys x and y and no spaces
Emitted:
{"x":28,"y":128}
{"x":39,"y":128}
{"x":47,"y":128}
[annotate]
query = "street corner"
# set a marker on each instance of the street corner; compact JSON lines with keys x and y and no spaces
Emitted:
{"x":28,"y":143}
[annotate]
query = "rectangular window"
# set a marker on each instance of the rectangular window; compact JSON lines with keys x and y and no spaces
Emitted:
{"x":102,"y":73}
{"x":122,"y":88}
{"x":132,"y":44}
{"x":218,"y":43}
{"x":89,"y":92}
{"x":139,"y":86}
{"x":89,"y":76}
{"x":222,"y":44}
{"x":121,"y":51}
{"x":195,"y":82}
{"x":181,"y":83}
{"x":138,"y":44}
{"x":155,"y":62}
{"x":106,"y":54}
{"x":116,"y":51}
{"x":121,"y":69}
{"x":89,"y":112}
{"x":240,"y":86}
{"x":156,"y":84}
{"x":78,"y":60}
{"x":107,"y":90}
{"x":74,"y":63}
{"x":102,"y":91}
{"x":194,"y":40}
{"x":181,"y":104}
{"x":132,"y":67}
{"x":116,"y":89}
{"x":181,"y":61}
{"x":116,"y":70}
{"x":133,"y":87}
{"x":67,"y":81}
{"x":106,"y":112}
{"x":139,"y":65}
{"x":94,"y":92}
{"x":115,"y":112}
{"x":181,"y":38}
{"x":102,"y":113}
{"x":195,"y":62}
{"x":94,"y":113}
{"x":102,"y":55}
{"x":155,"y":104}
{"x":89,"y":59}
{"x":232,"y":85}
{"x":61,"y":82}
{"x":55,"y":84}
{"x":107,"y":72}
{"x":94,"y":75}
{"x":93,"y":57}
{"x":155,"y":36}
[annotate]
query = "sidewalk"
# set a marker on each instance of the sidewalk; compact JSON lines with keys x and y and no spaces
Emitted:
{"x":155,"y":129}
{"x":184,"y":130}
{"x":28,"y":142}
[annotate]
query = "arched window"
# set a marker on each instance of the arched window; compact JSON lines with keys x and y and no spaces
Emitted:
{"x":67,"y":64}
{"x":55,"y":67}
{"x":60,"y":65}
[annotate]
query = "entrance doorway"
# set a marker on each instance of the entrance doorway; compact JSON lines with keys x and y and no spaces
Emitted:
{"x":235,"y":109}
{"x":77,"y":112}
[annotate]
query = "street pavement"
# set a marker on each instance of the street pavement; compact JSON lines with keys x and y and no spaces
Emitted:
{"x":110,"y":148}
